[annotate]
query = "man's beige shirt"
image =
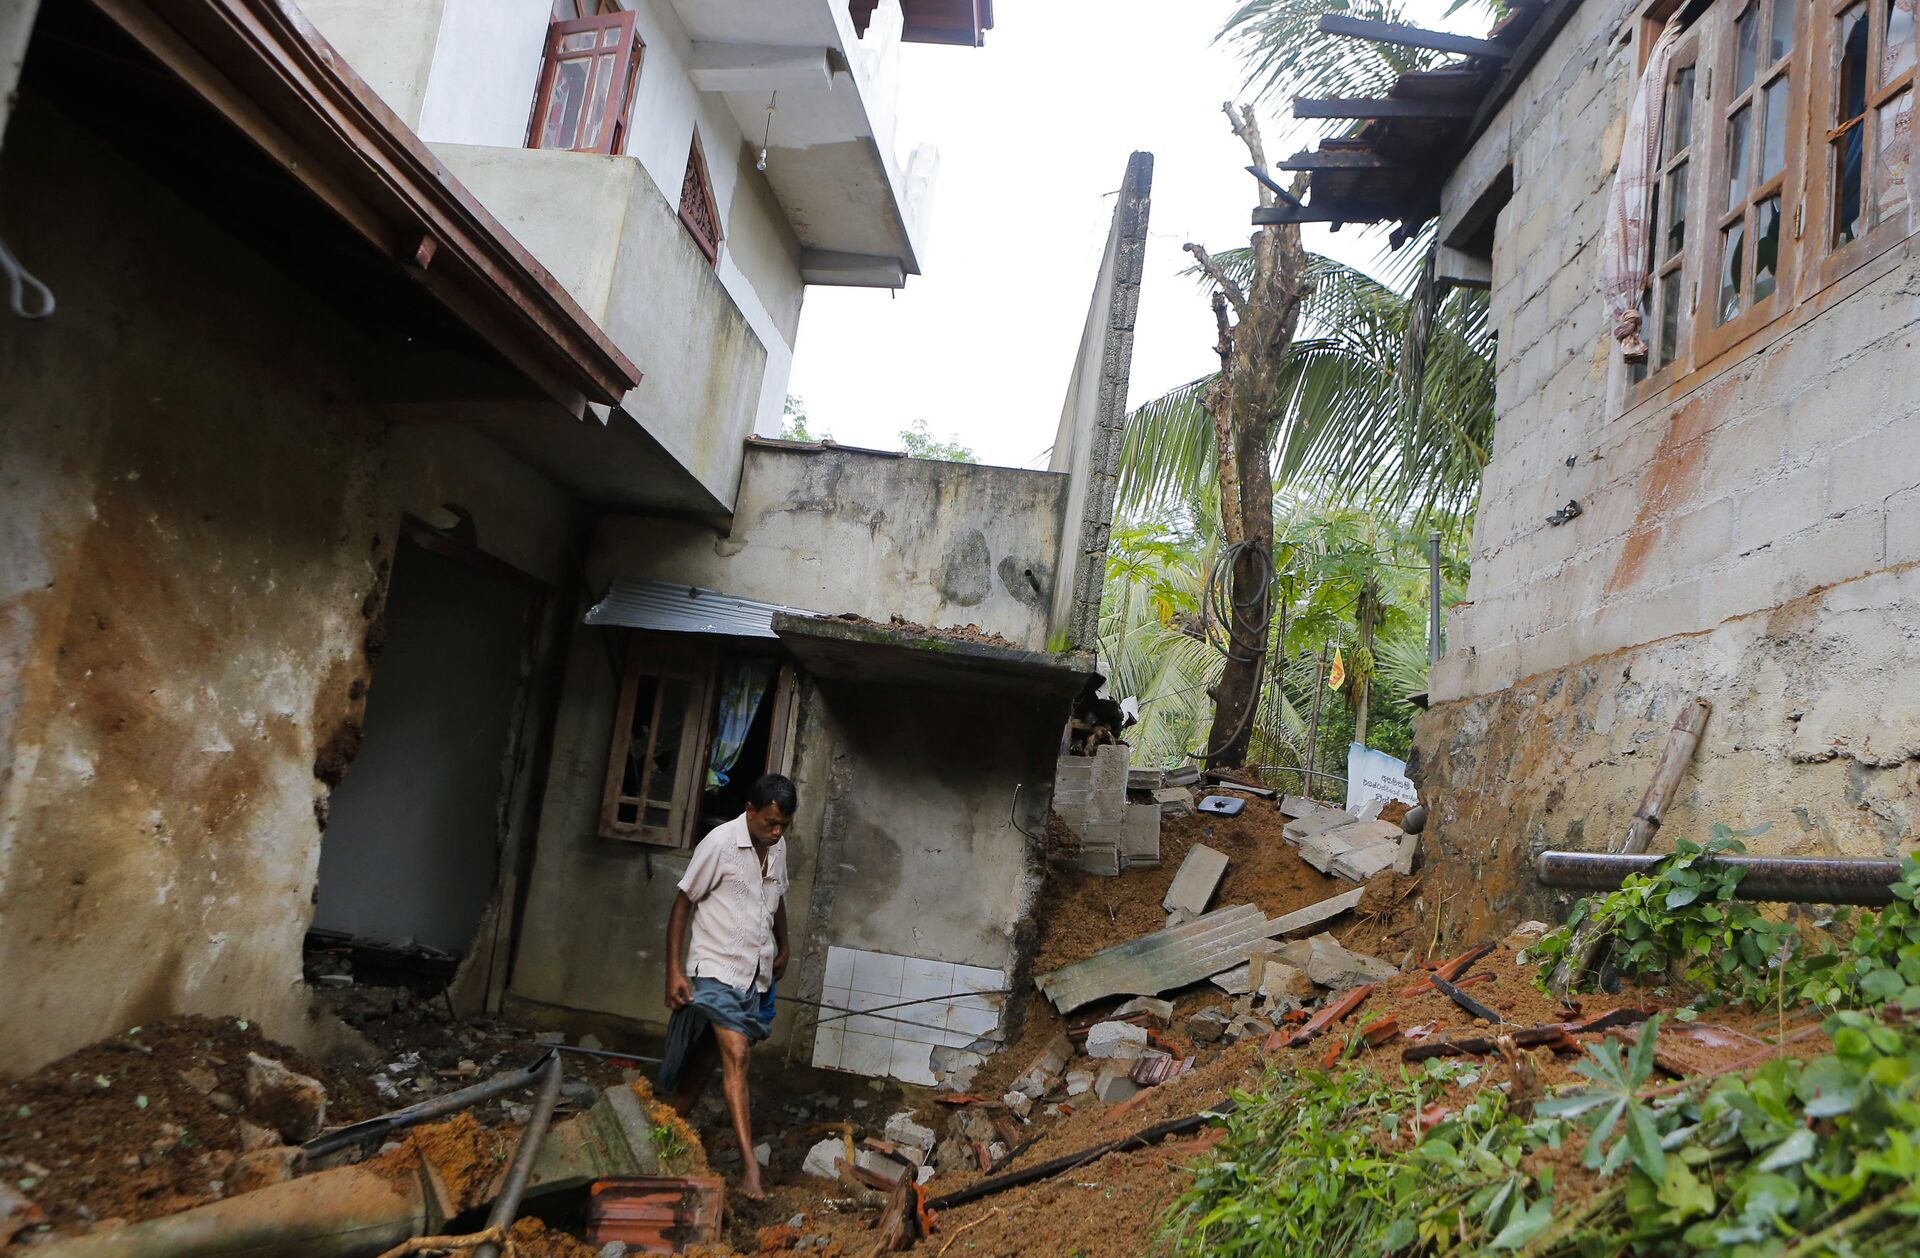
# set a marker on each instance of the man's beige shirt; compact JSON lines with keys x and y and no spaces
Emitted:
{"x":733,"y":907}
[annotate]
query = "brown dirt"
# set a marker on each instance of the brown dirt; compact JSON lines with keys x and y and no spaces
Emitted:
{"x":1087,"y":912}
{"x":694,"y":1160}
{"x":534,"y":1239}
{"x":114,"y":1130}
{"x":466,"y":1155}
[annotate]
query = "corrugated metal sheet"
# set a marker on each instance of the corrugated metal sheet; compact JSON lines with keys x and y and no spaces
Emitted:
{"x":664,"y":607}
{"x":1168,"y":959}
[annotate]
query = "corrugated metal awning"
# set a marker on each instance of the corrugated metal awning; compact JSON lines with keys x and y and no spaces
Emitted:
{"x":666,"y":607}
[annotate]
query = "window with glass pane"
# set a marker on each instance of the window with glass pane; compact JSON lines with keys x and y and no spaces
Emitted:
{"x":1747,"y":246}
{"x":586,"y":84}
{"x":1870,"y":142}
{"x":656,"y":742}
{"x":1661,"y":305}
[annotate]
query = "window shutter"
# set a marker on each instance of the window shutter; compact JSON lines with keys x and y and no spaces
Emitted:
{"x":585,"y":84}
{"x":696,"y":204}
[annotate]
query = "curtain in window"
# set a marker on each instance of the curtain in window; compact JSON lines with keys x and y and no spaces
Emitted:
{"x":743,"y":687}
{"x":1623,"y":259}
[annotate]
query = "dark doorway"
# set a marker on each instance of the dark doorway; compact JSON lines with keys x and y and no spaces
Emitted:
{"x":411,"y":846}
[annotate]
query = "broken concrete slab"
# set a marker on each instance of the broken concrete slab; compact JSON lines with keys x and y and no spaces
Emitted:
{"x":1108,"y":1039}
{"x":1319,"y":821}
{"x":1079,"y":1081}
{"x":1174,"y":801}
{"x":1098,"y":858}
{"x":1179,"y":917}
{"x":1407,"y":856}
{"x":1332,"y":966}
{"x":1145,"y":779}
{"x":1046,"y":1067}
{"x":1192,"y":888}
{"x":1185,"y":775}
{"x":1361,"y":863}
{"x":1209,"y":1026}
{"x":1298,"y":922}
{"x":1325,"y":849}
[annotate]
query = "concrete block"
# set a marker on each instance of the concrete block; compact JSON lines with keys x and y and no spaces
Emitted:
{"x":1209,"y":1026}
{"x":1407,"y":856}
{"x":1160,"y":1010}
{"x":1318,"y":821}
{"x":903,"y":1130}
{"x":1174,"y":801}
{"x":822,"y":1159}
{"x":1113,"y":1085}
{"x":1045,"y":1069}
{"x":1099,"y":858}
{"x":1019,"y":1102}
{"x":1079,"y":1081}
{"x":1193,"y":887}
{"x":1140,"y":836}
{"x":1106,"y":1039}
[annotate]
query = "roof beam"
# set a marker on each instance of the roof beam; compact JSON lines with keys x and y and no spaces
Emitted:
{"x":1411,"y":36}
{"x":1269,"y":215}
{"x":1339,"y":159}
{"x":1367,"y":107}
{"x":719,"y":67}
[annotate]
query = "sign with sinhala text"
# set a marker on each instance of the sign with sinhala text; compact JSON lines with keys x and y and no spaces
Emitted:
{"x":1375,"y":775}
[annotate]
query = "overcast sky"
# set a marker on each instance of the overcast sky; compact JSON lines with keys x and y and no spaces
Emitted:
{"x":1034,"y":130}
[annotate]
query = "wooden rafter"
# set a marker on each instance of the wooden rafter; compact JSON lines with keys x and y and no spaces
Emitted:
{"x":1376,"y":107}
{"x":1411,"y":36}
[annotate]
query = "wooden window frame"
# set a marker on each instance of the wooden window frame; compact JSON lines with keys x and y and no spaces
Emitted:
{"x":697,"y":163}
{"x":1712,"y":338}
{"x":1836,"y":262}
{"x":697,"y":659}
{"x":628,"y":53}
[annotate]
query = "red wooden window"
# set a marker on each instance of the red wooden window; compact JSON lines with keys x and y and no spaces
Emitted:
{"x":586,"y":85}
{"x":696,"y":204}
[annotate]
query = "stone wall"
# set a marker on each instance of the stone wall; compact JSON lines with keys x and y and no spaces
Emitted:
{"x":199,"y":509}
{"x":1730,"y":529}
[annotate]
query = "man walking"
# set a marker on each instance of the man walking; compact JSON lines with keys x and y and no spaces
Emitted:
{"x":734,"y":892}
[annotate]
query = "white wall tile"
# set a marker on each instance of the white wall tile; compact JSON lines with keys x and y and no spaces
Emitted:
{"x":909,"y":1063}
{"x":866,"y":1054}
{"x":827,"y":1046}
{"x":881,"y":1026}
{"x":921,"y":979}
{"x":878,"y":972}
{"x":839,"y":967}
{"x":974,"y":978}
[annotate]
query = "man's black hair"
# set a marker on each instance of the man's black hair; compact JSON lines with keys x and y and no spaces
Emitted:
{"x":773,"y":788}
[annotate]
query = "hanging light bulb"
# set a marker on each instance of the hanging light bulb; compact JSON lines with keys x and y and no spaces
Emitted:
{"x":761,"y":165}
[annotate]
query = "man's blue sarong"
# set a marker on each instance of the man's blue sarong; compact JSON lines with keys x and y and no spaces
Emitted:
{"x":714,"y":1004}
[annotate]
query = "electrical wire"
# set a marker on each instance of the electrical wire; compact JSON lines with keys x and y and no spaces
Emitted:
{"x":1220,"y":603}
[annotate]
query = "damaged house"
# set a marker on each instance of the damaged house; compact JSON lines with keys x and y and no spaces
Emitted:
{"x":1697,"y":222}
{"x":397,"y":546}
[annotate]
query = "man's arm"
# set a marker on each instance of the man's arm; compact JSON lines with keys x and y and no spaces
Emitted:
{"x":679,"y":990}
{"x":780,"y":938}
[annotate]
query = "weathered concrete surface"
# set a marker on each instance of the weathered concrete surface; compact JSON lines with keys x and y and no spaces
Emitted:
{"x":389,"y":43}
{"x":1733,"y":523}
{"x":836,"y":530}
{"x":16,"y":25}
{"x":192,"y":561}
{"x":1093,"y":420}
{"x":616,"y":244}
{"x":1814,"y":731}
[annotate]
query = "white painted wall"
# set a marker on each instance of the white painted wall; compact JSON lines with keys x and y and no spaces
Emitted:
{"x":486,"y":68}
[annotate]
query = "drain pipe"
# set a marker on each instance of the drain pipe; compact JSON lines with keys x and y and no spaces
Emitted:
{"x":451,"y":1102}
{"x":1783,"y":879}
{"x":507,"y":1204}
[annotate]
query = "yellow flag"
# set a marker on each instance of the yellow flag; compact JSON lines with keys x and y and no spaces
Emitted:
{"x":1337,"y":675}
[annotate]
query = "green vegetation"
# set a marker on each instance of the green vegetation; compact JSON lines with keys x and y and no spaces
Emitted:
{"x":919,"y":443}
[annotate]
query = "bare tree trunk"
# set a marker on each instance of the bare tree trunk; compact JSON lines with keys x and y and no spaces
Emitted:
{"x":1245,"y":407}
{"x":1363,"y":705}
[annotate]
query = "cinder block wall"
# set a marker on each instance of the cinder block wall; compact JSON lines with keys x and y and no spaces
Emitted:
{"x":1745,"y":536}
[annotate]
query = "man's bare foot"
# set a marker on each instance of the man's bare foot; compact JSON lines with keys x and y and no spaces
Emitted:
{"x":750,"y":1186}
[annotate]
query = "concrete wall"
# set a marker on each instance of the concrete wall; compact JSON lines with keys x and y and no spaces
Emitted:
{"x":1731,"y":531}
{"x":199,"y":510}
{"x":836,"y":530}
{"x":1093,"y":422}
{"x":604,"y":230}
{"x":464,"y":74}
{"x":16,"y":26}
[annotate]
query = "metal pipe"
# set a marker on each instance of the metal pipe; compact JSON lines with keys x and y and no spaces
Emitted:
{"x":1784,"y":879}
{"x":1433,"y":599}
{"x":434,"y":1107}
{"x":507,"y":1204}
